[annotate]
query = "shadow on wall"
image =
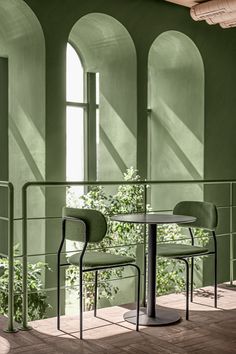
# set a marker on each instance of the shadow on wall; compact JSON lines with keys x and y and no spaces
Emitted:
{"x":176,"y":119}
{"x":22,"y":42}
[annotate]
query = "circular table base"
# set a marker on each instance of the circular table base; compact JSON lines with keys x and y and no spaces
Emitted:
{"x":163,"y":317}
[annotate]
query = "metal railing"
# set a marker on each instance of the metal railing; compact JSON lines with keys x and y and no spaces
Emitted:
{"x":10,"y":219}
{"x":145,"y":183}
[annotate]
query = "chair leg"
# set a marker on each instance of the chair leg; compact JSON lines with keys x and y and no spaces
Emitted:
{"x":215,"y":283}
{"x":58,"y":296}
{"x":144,"y":304}
{"x":138,"y":299}
{"x":95,"y":293}
{"x":81,"y":302}
{"x":192,"y":268}
{"x":187,"y":287}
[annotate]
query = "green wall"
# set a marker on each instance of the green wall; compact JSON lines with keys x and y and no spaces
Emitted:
{"x":175,"y":119}
{"x":4,"y":119}
{"x":4,"y":171}
{"x":145,"y":20}
{"x":22,"y":42}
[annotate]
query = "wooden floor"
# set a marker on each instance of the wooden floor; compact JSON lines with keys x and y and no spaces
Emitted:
{"x":209,"y":330}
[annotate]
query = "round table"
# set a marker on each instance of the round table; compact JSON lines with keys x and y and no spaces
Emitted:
{"x":153,"y":315}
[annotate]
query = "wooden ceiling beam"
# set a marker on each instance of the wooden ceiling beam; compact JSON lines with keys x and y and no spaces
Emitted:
{"x":186,"y":3}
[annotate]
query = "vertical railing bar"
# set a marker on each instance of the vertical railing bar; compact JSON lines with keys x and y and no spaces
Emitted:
{"x":10,"y":260}
{"x":144,"y":249}
{"x":24,"y":326}
{"x":231,"y":246}
{"x":10,"y":325}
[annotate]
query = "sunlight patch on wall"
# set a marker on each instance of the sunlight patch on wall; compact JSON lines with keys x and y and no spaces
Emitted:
{"x":176,"y":116}
{"x":182,"y":135}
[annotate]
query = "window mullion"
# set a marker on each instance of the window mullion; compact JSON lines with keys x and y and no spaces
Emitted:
{"x":77,"y":104}
{"x":91,"y":126}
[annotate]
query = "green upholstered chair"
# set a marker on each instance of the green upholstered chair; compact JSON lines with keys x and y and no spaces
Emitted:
{"x":206,"y":214}
{"x":89,"y":226}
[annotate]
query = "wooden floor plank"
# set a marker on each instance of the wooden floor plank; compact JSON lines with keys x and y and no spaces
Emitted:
{"x":209,"y":330}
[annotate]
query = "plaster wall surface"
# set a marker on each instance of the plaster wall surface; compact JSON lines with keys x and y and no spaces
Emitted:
{"x":145,"y":21}
{"x":22,"y":42}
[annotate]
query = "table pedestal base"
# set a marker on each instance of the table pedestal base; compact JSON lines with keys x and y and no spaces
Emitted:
{"x":163,"y":317}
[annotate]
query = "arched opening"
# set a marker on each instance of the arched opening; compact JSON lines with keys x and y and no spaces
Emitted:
{"x":176,"y":117}
{"x":107,"y":106}
{"x":109,"y":61}
{"x":22,"y":48}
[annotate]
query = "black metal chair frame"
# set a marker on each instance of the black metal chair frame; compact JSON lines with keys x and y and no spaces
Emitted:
{"x":91,"y":269}
{"x":185,"y":260}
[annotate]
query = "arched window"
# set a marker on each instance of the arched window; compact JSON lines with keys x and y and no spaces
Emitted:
{"x":107,"y":48}
{"x":82,"y":120}
{"x":108,"y":102}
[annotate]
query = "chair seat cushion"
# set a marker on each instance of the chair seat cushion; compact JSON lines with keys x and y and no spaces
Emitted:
{"x":99,"y":259}
{"x":179,"y":250}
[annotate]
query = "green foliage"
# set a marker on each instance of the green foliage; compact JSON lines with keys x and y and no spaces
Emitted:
{"x":171,"y":273}
{"x":122,"y":238}
{"x":37,"y":300}
{"x":128,"y":198}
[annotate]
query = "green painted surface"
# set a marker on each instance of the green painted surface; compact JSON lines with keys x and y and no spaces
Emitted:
{"x":145,"y":21}
{"x":22,"y":41}
{"x":4,"y":119}
{"x":37,"y":145}
{"x":176,"y":119}
{"x":3,"y":150}
{"x":220,"y":196}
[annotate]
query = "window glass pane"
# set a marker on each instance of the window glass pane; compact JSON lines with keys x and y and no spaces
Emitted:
{"x":97,"y":88}
{"x":74,"y":76}
{"x":97,"y":127}
{"x":75,"y":144}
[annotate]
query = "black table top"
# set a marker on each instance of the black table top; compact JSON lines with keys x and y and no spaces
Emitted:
{"x":142,"y":218}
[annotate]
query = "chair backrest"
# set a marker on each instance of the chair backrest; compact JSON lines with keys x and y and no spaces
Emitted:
{"x":205,"y":212}
{"x":96,"y":225}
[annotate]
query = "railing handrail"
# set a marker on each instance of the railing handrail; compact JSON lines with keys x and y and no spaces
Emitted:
{"x":91,"y":183}
{"x":6,"y":184}
{"x":138,"y":182}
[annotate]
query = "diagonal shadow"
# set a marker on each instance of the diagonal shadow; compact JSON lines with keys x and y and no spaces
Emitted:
{"x":25,"y":151}
{"x":113,"y":152}
{"x":177,"y":150}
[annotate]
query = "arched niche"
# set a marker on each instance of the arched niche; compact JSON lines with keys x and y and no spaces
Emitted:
{"x":106,"y":47}
{"x":22,"y":44}
{"x":176,"y":116}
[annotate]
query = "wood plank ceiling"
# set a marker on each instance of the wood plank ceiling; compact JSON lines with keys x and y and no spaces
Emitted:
{"x":187,"y":3}
{"x":221,"y":12}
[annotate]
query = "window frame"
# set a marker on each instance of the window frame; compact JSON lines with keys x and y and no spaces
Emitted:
{"x":90,"y":107}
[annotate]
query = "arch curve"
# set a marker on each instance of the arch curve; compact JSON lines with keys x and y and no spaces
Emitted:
{"x":106,"y":47}
{"x":22,"y":43}
{"x":176,"y":102}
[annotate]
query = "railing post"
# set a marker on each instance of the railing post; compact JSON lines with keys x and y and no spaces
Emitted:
{"x":10,"y":325}
{"x":24,"y":326}
{"x":231,"y":241}
{"x":144,"y":249}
